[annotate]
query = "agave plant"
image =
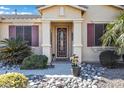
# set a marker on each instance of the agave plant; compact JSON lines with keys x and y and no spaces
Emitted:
{"x":14,"y":50}
{"x":114,"y":35}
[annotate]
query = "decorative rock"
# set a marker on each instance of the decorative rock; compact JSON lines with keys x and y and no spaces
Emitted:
{"x":90,"y":75}
{"x":85,"y":85}
{"x":44,"y":80}
{"x":89,"y":80}
{"x":37,"y":83}
{"x":82,"y":68}
{"x":99,"y":78}
{"x":94,"y":82}
{"x":51,"y":81}
{"x":89,"y":86}
{"x":95,"y":77}
{"x":86,"y":75}
{"x":67,"y":81}
{"x":35,"y":86}
{"x":3,"y":68}
{"x":80,"y":84}
{"x":53,"y":87}
{"x":94,"y":86}
{"x":31,"y":83}
{"x":99,"y":74}
{"x":59,"y":85}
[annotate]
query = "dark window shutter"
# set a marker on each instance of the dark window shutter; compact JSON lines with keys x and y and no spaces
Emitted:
{"x":90,"y":34}
{"x":12,"y":31}
{"x":35,"y":35}
{"x":99,"y":28}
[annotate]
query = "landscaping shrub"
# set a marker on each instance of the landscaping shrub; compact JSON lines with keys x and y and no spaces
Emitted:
{"x":35,"y":62}
{"x":14,"y":50}
{"x":108,"y":58}
{"x":13,"y":80}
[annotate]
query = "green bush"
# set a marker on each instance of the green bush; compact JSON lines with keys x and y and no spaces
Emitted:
{"x":35,"y":62}
{"x":13,"y":80}
{"x":14,"y":50}
{"x":108,"y":58}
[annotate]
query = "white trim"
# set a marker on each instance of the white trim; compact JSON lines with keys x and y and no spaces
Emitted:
{"x":78,"y":7}
{"x":62,"y":19}
{"x":118,"y":6}
{"x":22,"y":20}
{"x":46,"y":45}
{"x":40,"y":20}
{"x":67,"y":41}
{"x":44,"y":7}
{"x":77,"y":21}
{"x":75,"y":6}
{"x":78,"y":45}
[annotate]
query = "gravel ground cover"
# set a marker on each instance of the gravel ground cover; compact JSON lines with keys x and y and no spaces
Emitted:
{"x":113,"y":78}
{"x":90,"y":76}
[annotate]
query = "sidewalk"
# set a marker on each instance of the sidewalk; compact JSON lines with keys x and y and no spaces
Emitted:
{"x":59,"y":69}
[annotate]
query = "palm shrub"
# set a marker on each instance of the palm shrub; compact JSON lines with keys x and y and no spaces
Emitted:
{"x":14,"y":50}
{"x":114,"y":35}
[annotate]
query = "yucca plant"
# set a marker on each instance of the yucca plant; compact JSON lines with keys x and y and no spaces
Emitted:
{"x":114,"y":35}
{"x":14,"y":50}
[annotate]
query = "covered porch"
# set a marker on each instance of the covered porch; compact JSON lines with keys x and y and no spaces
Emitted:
{"x":62,"y":38}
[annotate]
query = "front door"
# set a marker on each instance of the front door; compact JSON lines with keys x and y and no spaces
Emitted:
{"x":62,"y":43}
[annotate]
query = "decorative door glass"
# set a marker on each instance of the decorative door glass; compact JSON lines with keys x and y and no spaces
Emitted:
{"x":61,"y":42}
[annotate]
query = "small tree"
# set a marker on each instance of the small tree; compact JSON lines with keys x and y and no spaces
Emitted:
{"x":114,"y":35}
{"x":14,"y":50}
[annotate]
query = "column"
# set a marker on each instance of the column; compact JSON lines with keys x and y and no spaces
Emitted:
{"x":46,"y":45}
{"x":77,"y":39}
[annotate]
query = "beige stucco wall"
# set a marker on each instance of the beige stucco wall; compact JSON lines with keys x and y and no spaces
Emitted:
{"x":53,"y":12}
{"x":96,"y":14}
{"x":4,"y":33}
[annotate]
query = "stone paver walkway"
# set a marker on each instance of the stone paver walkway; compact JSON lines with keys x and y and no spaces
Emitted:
{"x":59,"y":69}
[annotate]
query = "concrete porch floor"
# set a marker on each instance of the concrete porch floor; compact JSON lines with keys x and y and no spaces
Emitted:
{"x":61,"y":68}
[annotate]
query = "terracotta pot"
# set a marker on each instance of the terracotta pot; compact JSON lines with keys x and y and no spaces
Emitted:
{"x":76,"y":71}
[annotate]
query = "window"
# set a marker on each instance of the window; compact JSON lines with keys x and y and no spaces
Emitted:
{"x":94,"y":33}
{"x":27,"y":33}
{"x":19,"y":32}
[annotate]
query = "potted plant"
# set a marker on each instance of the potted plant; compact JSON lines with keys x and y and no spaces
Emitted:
{"x":75,"y":67}
{"x":52,"y":60}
